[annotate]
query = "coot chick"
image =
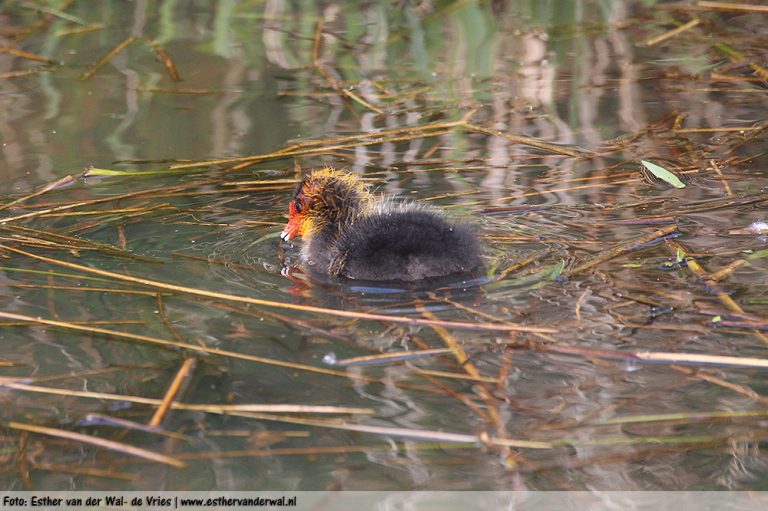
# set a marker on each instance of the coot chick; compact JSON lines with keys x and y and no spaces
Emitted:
{"x":348,"y":233}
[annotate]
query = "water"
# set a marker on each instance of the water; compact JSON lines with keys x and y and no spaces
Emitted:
{"x":575,"y":74}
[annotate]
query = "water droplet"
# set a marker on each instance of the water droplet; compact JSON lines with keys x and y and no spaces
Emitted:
{"x":631,"y":366}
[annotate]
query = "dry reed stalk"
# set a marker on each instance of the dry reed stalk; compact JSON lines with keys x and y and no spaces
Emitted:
{"x":331,"y":148}
{"x":720,"y":382}
{"x":697,"y":270}
{"x":173,"y":390}
{"x":402,"y":356}
{"x":672,"y":33}
{"x":50,"y":186}
{"x":98,"y":442}
{"x":314,"y":146}
{"x":386,"y":358}
{"x":731,"y":6}
{"x":284,"y":451}
{"x":43,"y":22}
{"x":97,"y":322}
{"x":720,"y":129}
{"x":416,"y":434}
{"x":85,"y":471}
{"x":493,"y":414}
{"x":726,"y":271}
{"x":453,"y":376}
{"x":528,"y":141}
{"x":10,"y":50}
{"x":650,"y":356}
{"x":544,"y":192}
{"x":88,"y":74}
{"x":105,"y":212}
{"x":289,"y":306}
{"x":97,"y":419}
{"x":164,"y":317}
{"x":27,"y":72}
{"x":122,"y":241}
{"x":166,"y":59}
{"x":737,"y":56}
{"x":66,"y":240}
{"x":180,"y":90}
{"x":23,"y":461}
{"x":179,"y":345}
{"x":79,"y":30}
{"x":682,"y":416}
{"x":216,"y":409}
{"x":459,"y":396}
{"x":623,"y":248}
{"x":55,"y":207}
{"x":534,"y":257}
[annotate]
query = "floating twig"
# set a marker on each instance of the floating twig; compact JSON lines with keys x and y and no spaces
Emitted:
{"x":714,"y":287}
{"x":463,"y":360}
{"x":216,"y":409}
{"x":180,"y":345}
{"x":736,"y":55}
{"x":386,"y":358}
{"x":25,"y":55}
{"x":85,"y":471}
{"x":50,"y":186}
{"x":651,"y":41}
{"x":623,"y":248}
{"x":98,"y":442}
{"x":166,"y":59}
{"x":661,"y":357}
{"x":97,"y":419}
{"x":558,"y":149}
{"x":416,"y":434}
{"x":88,"y":74}
{"x":731,"y":6}
{"x":173,"y":390}
{"x":282,"y":305}
{"x":79,"y":30}
{"x":27,"y":72}
{"x":724,"y":182}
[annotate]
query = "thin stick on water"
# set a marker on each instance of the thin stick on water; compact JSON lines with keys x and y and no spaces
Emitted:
{"x":282,"y":305}
{"x":98,"y":442}
{"x":623,"y":248}
{"x":173,"y":390}
{"x":88,"y":74}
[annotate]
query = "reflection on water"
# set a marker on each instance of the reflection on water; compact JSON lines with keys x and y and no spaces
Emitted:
{"x":536,"y":116}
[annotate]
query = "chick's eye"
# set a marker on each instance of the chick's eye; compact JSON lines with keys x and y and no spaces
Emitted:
{"x":297,"y":206}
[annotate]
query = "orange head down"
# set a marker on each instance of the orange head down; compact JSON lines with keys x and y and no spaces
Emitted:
{"x":326,"y":199}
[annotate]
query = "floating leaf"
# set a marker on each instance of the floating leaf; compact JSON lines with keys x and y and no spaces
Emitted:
{"x":663,"y":174}
{"x":759,"y":254}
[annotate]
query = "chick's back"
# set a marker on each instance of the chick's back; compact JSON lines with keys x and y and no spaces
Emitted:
{"x":405,"y":242}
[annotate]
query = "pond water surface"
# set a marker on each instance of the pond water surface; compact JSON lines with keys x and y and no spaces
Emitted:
{"x":569,"y":361}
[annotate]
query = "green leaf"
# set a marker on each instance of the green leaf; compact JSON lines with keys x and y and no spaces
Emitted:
{"x":759,"y":254}
{"x":663,"y":174}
